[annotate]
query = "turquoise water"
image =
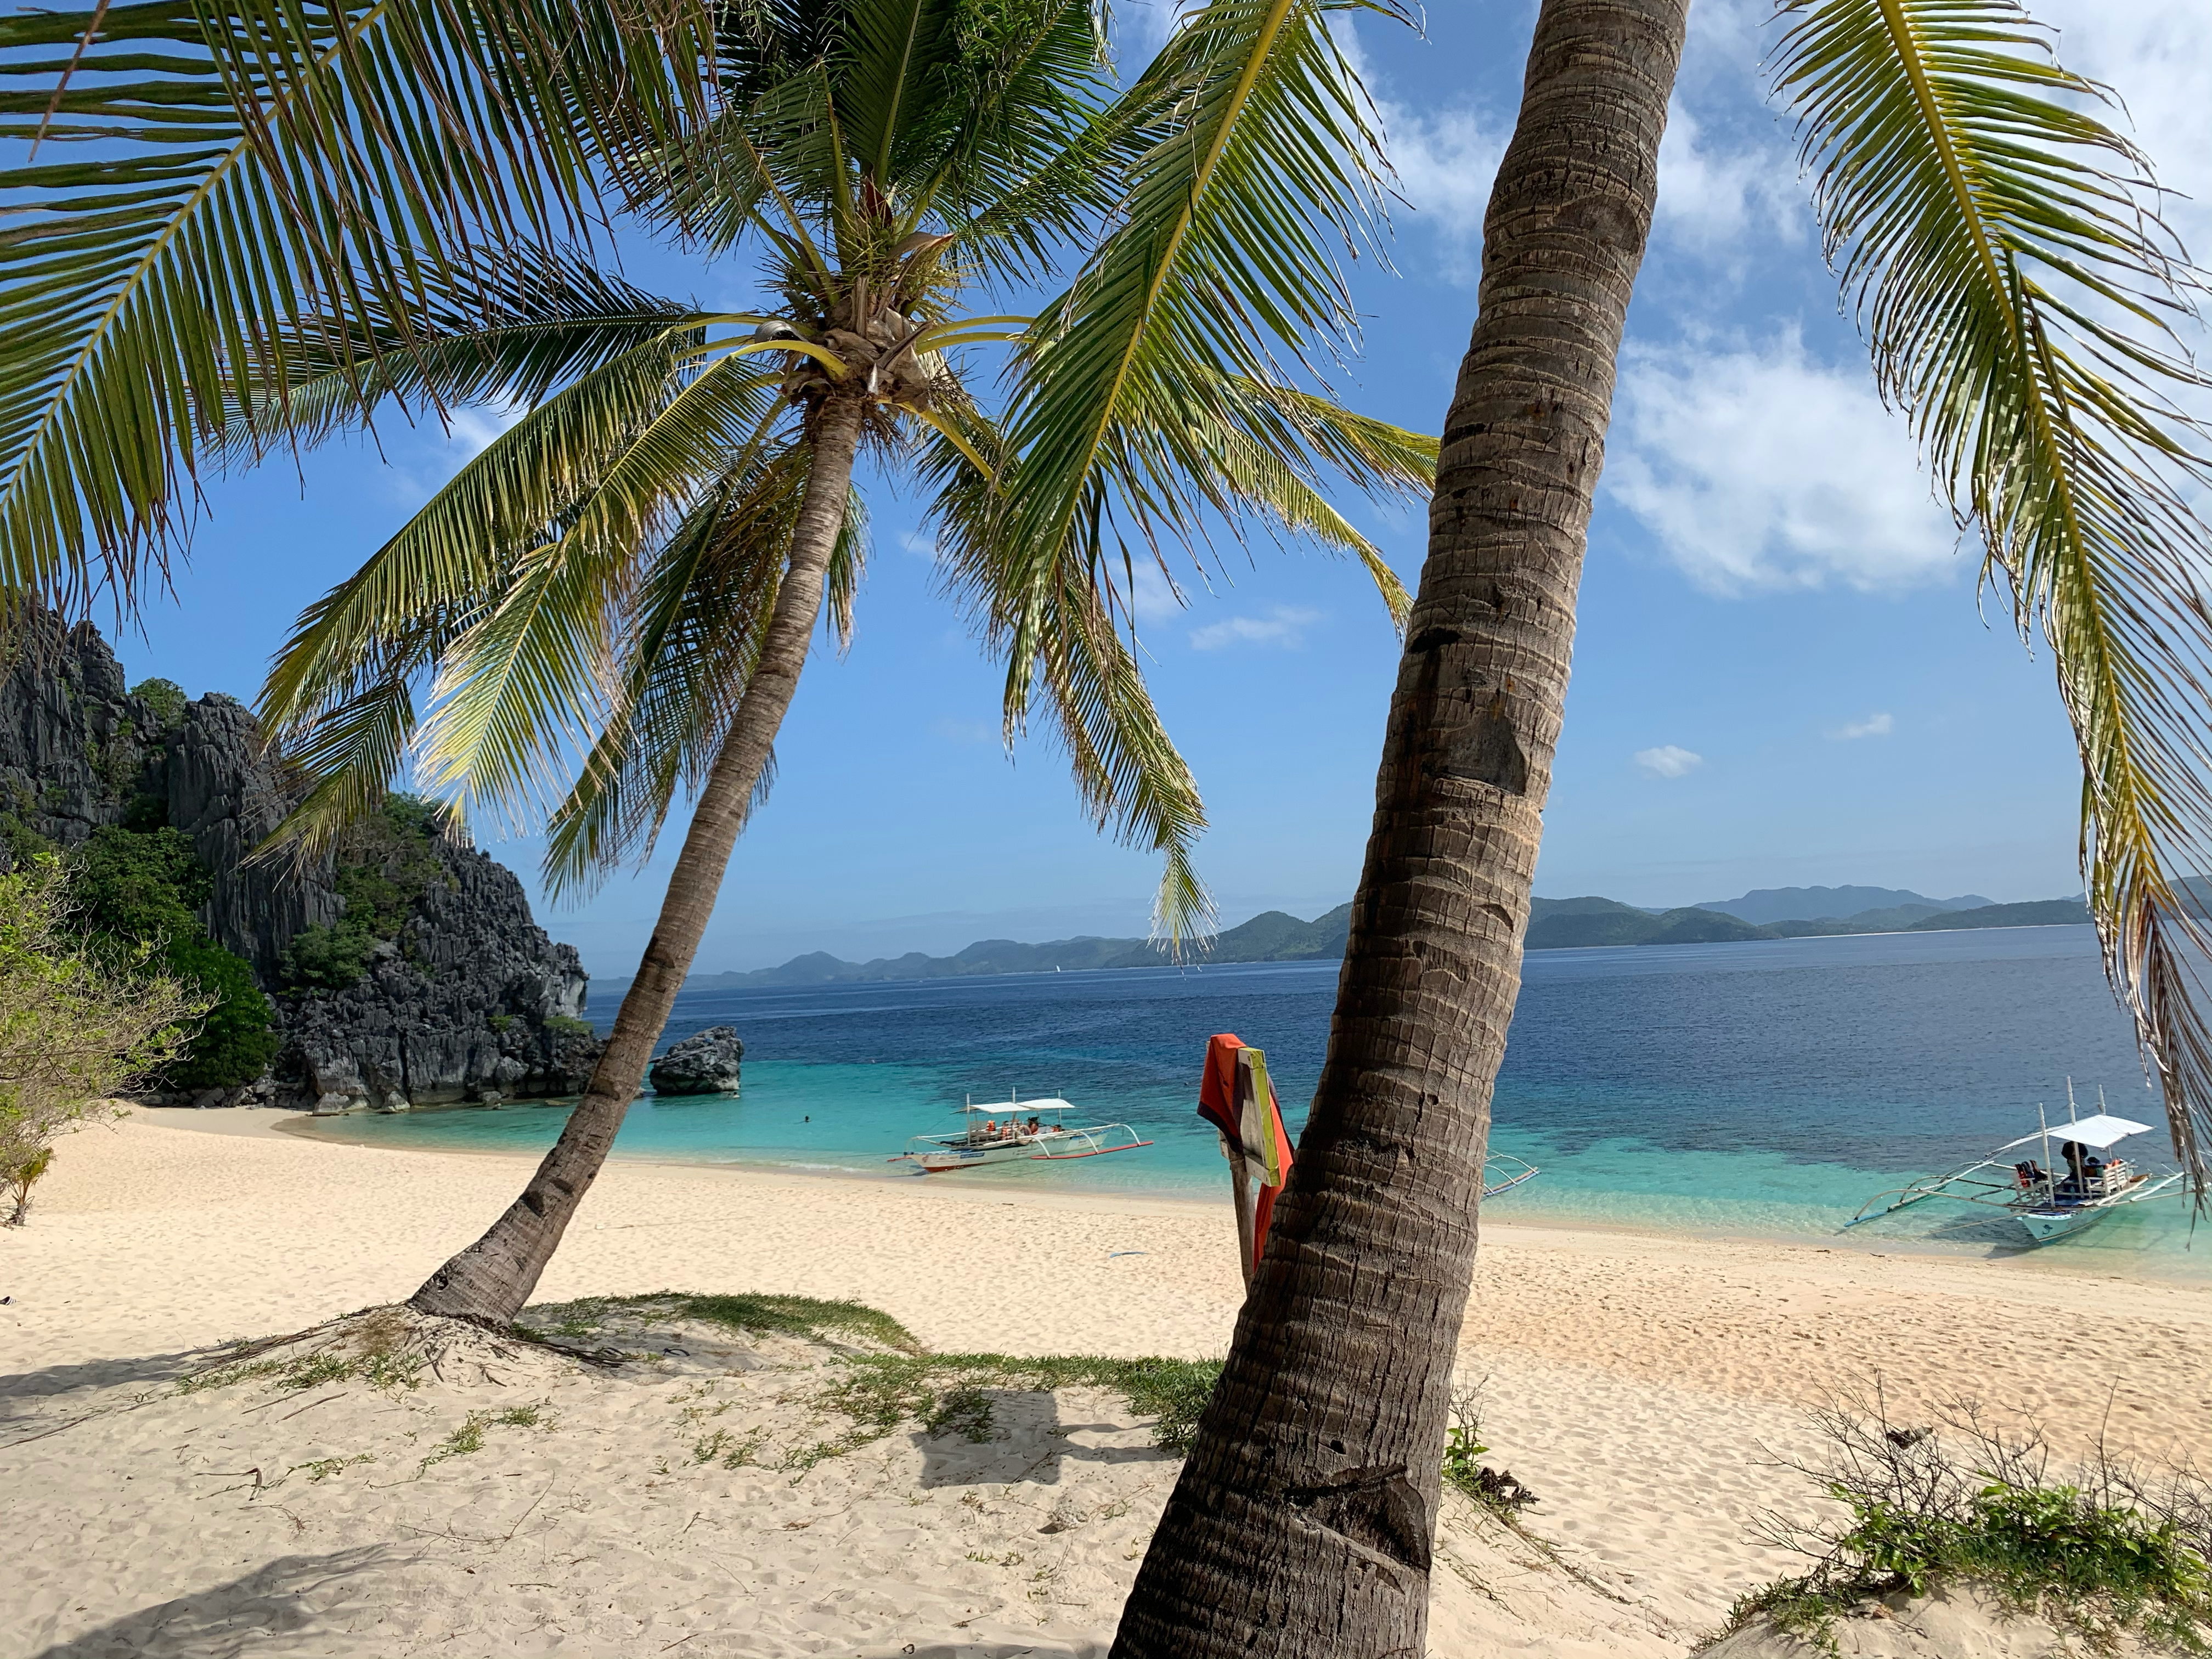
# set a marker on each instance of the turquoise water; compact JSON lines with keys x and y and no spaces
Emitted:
{"x":1744,"y":1089}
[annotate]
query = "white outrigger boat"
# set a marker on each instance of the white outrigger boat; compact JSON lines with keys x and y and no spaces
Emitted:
{"x":1015,"y":1129}
{"x":2048,"y":1201}
{"x":1502,"y":1172}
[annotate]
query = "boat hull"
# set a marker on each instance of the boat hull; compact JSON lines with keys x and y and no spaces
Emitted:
{"x":2046,"y":1224}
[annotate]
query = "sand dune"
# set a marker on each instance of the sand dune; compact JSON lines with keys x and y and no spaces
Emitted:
{"x":1642,"y":1386}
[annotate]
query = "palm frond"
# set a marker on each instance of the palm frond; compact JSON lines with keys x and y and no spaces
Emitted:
{"x":264,"y":176}
{"x":692,"y":638}
{"x":523,"y":692}
{"x":2020,"y":292}
{"x":1262,"y":156}
{"x":514,"y":341}
{"x":1128,"y":772}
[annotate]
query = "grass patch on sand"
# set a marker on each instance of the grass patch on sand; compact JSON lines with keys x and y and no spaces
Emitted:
{"x":886,"y":1379}
{"x":944,"y":1392}
{"x":376,"y":1348}
{"x":2106,"y":1548}
{"x":804,"y":1316}
{"x":470,"y":1437}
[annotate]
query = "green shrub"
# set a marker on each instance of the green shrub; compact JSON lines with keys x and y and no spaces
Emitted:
{"x":385,"y":865}
{"x":235,"y":1043}
{"x":165,"y":697}
{"x":563,"y":1024}
{"x":141,"y":889}
{"x":2104,"y":1552}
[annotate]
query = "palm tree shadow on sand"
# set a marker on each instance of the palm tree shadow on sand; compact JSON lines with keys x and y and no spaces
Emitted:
{"x":1013,"y":1437}
{"x":281,"y":1605}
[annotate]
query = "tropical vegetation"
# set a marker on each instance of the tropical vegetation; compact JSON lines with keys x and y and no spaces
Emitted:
{"x":136,"y":890}
{"x":612,"y":605}
{"x":292,"y":235}
{"x":79,"y":1021}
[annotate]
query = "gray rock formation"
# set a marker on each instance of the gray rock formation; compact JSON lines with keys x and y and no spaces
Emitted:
{"x":470,"y":1001}
{"x":704,"y":1063}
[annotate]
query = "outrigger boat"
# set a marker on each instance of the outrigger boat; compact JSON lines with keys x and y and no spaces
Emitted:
{"x":1502,"y":1172}
{"x":2048,"y":1202}
{"x":1008,"y":1131}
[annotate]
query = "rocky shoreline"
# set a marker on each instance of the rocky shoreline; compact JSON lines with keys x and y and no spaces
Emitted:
{"x":459,"y":995}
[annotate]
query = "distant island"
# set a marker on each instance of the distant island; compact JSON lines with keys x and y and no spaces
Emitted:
{"x":1554,"y":925}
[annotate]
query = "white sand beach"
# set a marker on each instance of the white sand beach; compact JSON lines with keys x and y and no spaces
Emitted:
{"x":1643,"y":1386}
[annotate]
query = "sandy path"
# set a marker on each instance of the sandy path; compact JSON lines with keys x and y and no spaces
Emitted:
{"x":1633,"y":1381}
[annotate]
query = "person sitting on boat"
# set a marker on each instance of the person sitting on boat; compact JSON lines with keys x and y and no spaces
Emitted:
{"x":1033,"y":1126}
{"x":2077,"y":1183}
{"x":2030,"y":1173}
{"x":991,"y":1129}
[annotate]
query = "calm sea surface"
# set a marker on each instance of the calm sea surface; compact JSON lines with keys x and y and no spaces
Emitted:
{"x":1753,"y":1089}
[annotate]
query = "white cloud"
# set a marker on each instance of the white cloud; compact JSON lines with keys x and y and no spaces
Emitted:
{"x":1760,"y":470}
{"x":1874,"y":726}
{"x":1445,"y":159}
{"x":472,"y":431}
{"x":967,"y":734}
{"x":1153,"y":595}
{"x":1445,"y":163}
{"x":1725,"y":201}
{"x":920,"y":545}
{"x":1668,"y":760}
{"x":1284,"y":625}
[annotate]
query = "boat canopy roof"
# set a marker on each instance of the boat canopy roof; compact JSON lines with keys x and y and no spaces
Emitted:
{"x":1022,"y":1108}
{"x":2100,"y":1131}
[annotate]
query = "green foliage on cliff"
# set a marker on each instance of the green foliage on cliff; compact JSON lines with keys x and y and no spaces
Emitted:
{"x":385,"y":866}
{"x":165,"y":697}
{"x":140,"y":889}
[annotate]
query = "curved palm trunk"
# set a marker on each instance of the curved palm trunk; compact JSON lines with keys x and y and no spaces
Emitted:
{"x":492,"y":1278}
{"x":1301,"y":1524}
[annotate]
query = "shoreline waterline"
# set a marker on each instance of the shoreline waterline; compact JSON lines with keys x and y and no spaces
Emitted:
{"x":1521,"y":1216}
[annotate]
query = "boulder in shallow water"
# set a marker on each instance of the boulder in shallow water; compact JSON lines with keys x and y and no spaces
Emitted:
{"x":704,"y":1063}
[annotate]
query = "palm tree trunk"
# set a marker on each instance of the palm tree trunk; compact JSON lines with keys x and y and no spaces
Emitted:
{"x":1301,"y":1524}
{"x":492,"y":1278}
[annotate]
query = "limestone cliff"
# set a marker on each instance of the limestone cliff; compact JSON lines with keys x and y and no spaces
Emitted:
{"x":461,"y":995}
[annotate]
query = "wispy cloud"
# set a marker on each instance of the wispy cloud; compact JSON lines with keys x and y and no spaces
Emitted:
{"x":1283,"y":626}
{"x":1874,"y":726}
{"x":1668,"y":760}
{"x":1445,"y":159}
{"x":1760,"y":469}
{"x":967,"y":734}
{"x":1726,"y":199}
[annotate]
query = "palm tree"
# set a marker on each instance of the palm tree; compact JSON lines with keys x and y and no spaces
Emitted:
{"x":2015,"y":284}
{"x":630,"y":578}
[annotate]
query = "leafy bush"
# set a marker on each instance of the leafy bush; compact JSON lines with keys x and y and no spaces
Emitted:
{"x":563,"y":1024}
{"x":140,"y":887}
{"x":2104,"y":1550}
{"x":79,"y":1019}
{"x":140,"y":890}
{"x":235,"y":1042}
{"x":385,"y":866}
{"x":165,"y":697}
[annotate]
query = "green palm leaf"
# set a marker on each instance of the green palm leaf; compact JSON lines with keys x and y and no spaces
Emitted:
{"x":267,"y":179}
{"x":2019,"y":291}
{"x":691,"y":639}
{"x":523,"y":691}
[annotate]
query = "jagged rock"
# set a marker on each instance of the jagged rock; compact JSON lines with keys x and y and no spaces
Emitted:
{"x":704,"y":1063}
{"x":471,"y":996}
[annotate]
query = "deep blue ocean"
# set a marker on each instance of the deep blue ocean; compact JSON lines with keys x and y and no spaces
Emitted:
{"x":1761,"y":1089}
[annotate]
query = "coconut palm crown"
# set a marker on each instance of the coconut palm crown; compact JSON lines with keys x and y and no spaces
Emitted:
{"x":614,"y":600}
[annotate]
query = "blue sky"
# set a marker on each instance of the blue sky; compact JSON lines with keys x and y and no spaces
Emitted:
{"x":1782,"y":675}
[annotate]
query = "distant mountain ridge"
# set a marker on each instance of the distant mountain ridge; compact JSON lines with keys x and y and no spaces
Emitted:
{"x":1581,"y":923}
{"x":1554,"y":925}
{"x":1271,"y":936}
{"x":1763,"y":905}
